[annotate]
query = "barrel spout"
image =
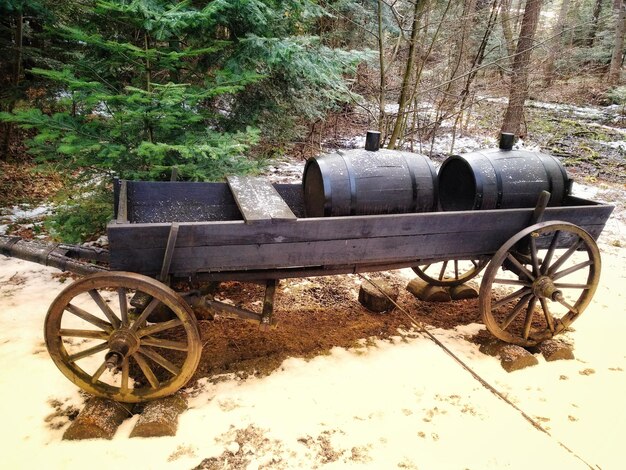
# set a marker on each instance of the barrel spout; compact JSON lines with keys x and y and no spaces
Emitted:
{"x":506,"y":141}
{"x":372,"y":141}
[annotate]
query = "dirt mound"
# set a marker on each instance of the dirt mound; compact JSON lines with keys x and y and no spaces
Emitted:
{"x":313,"y":315}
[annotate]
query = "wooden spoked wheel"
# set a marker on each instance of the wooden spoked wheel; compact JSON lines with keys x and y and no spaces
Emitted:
{"x":110,"y":348}
{"x":528,"y":298}
{"x":452,"y":272}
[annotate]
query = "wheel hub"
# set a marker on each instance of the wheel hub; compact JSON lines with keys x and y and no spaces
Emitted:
{"x":543,"y":287}
{"x":122,"y":343}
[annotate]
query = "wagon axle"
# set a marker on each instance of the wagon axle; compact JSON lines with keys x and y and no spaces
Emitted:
{"x":122,"y":344}
{"x":544,"y":288}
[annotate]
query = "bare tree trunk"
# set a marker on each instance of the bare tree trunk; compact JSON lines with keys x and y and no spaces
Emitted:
{"x":381,"y":61}
{"x":556,"y":46}
{"x":406,"y":79}
{"x":519,"y":79}
{"x":507,"y":30}
{"x":17,"y":75}
{"x":593,"y":29}
{"x":618,"y":48}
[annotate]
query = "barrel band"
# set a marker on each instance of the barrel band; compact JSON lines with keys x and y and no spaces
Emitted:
{"x":352,"y":180}
{"x":549,"y":177}
{"x":435,"y":185}
{"x":327,"y":187}
{"x":478,"y":183}
{"x":498,"y":184}
{"x":413,"y":184}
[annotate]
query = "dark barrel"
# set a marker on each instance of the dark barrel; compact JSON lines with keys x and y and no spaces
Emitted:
{"x":359,"y":182}
{"x":494,"y":179}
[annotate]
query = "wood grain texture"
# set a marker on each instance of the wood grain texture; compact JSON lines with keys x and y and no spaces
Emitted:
{"x":258,"y":200}
{"x":233,"y":249}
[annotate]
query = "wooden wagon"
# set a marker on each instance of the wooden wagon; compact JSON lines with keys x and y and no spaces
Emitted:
{"x":125,"y":334}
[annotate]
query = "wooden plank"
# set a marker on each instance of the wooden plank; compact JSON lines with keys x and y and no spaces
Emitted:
{"x":122,"y":208}
{"x":337,"y":228}
{"x":359,"y":251}
{"x":258,"y":200}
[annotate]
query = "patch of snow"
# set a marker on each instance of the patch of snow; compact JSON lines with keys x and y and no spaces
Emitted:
{"x":25,"y":215}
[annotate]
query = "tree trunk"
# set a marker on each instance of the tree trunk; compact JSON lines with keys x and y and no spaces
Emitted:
{"x":519,"y":79}
{"x":381,"y":61}
{"x":557,"y":42}
{"x":618,"y":46}
{"x":406,"y":79}
{"x":17,"y":75}
{"x":507,"y":31}
{"x":593,"y":29}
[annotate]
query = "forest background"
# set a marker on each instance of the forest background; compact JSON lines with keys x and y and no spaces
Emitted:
{"x":91,"y":90}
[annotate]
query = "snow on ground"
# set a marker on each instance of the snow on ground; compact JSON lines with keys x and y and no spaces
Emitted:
{"x":392,"y":404}
{"x":25,"y":215}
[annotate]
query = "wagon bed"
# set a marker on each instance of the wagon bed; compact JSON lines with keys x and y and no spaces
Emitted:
{"x":215,"y":242}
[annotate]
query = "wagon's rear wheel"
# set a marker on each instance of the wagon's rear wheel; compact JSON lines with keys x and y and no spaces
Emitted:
{"x":526,"y":299}
{"x":452,"y":272}
{"x":111,"y":349}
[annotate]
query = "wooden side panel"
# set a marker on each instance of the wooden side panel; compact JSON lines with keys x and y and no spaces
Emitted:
{"x":258,"y":200}
{"x":349,"y":241}
{"x":142,"y":236}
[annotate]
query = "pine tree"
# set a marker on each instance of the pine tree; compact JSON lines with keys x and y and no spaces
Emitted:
{"x":152,"y":84}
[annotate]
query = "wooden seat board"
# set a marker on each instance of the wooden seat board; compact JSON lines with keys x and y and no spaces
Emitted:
{"x":258,"y":200}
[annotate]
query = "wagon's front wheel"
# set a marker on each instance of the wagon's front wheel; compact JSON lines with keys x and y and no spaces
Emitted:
{"x":99,"y":333}
{"x":526,"y":298}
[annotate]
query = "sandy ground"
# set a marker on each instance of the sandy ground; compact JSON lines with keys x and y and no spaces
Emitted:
{"x":399,"y":403}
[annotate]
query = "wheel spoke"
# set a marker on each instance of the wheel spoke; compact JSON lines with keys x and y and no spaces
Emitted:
{"x":520,"y":266}
{"x":533,"y":255}
{"x":558,"y":263}
{"x":442,"y":273}
{"x":565,"y":304}
{"x":530,"y":311}
{"x":515,"y":312}
{"x":96,"y":376}
{"x":160,"y":360}
{"x":565,"y":285}
{"x":456,"y":269}
{"x":158,"y":327}
{"x":571,"y":270}
{"x":145,"y":314}
{"x":121,"y":292}
{"x":88,"y":352}
{"x":147,"y":371}
{"x":425,"y":267}
{"x":550,"y":252}
{"x":97,"y":298}
{"x":547,"y":314}
{"x":124,"y":384}
{"x":164,"y":343}
{"x":512,"y":282}
{"x":474,"y":263}
{"x":518,"y":293}
{"x":103,"y":335}
{"x":88,"y":317}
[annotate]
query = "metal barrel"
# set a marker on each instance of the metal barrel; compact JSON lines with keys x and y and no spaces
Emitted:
{"x":495,"y":179}
{"x":360,"y":182}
